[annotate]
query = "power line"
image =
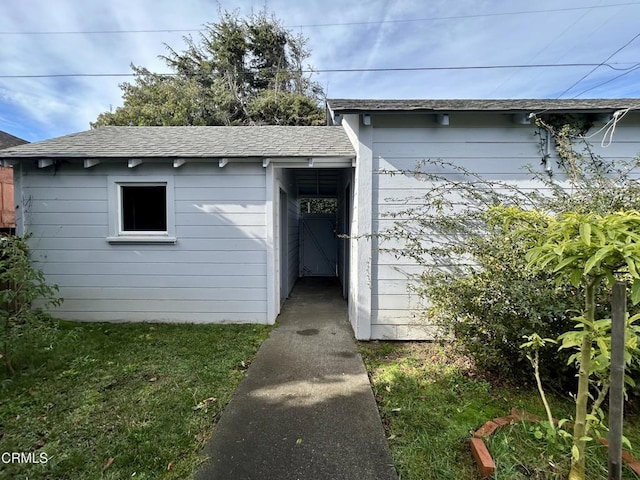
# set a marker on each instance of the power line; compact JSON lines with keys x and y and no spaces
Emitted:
{"x":317,"y":25}
{"x":351,"y":70}
{"x":612,"y":66}
{"x":545,"y":47}
{"x":598,"y":66}
{"x":460,"y":17}
{"x":631,"y":70}
{"x":103,"y":32}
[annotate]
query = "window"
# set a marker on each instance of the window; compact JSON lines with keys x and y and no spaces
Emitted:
{"x":141,"y":211}
{"x":318,"y":205}
{"x":144,"y":208}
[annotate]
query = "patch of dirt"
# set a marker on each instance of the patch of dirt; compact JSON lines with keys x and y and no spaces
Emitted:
{"x":425,"y":352}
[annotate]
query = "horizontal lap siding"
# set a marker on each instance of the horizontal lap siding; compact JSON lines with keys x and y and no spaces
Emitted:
{"x":293,"y":240}
{"x":499,"y":153}
{"x":216,"y":271}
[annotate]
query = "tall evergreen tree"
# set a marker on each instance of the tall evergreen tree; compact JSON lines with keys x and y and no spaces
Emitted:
{"x":239,"y":72}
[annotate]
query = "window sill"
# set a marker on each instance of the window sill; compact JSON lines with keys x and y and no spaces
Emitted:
{"x":141,"y":239}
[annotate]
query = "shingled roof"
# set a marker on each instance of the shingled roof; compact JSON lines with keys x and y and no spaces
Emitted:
{"x":519,"y":105}
{"x":192,"y":142}
{"x":8,"y":140}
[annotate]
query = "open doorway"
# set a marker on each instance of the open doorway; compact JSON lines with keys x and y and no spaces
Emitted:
{"x":312,"y":225}
{"x":318,"y":237}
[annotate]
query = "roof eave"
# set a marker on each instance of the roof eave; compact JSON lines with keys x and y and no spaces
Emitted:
{"x":506,"y":106}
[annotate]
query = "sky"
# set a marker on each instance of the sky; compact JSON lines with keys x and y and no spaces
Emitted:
{"x":391,"y":49}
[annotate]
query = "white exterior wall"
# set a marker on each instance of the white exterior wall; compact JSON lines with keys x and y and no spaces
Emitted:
{"x":293,"y":263}
{"x":215,"y":272}
{"x":360,"y":255}
{"x":343,"y":227}
{"x":490,"y":144}
{"x":285,"y":180}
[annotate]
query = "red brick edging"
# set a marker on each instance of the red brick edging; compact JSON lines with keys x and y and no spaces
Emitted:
{"x":485,"y":461}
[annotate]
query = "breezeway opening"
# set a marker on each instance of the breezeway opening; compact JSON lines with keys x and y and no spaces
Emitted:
{"x":313,"y":225}
{"x":318,"y":236}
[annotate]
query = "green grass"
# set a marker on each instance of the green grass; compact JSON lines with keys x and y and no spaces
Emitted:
{"x":431,"y":401}
{"x":119,"y":401}
{"x":519,"y":455}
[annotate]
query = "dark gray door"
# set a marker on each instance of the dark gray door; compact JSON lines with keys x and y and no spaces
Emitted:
{"x":319,"y":249}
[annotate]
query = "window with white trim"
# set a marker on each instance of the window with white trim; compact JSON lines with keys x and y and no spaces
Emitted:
{"x":141,"y":211}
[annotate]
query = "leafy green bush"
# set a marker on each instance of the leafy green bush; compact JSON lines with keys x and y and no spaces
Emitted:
{"x":20,"y":286}
{"x":474,"y":279}
{"x":492,"y":307}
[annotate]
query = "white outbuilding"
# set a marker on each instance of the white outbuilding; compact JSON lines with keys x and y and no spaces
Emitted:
{"x":204,"y":224}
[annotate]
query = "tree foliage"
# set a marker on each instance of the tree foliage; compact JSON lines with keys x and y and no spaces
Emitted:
{"x":584,"y":250}
{"x":319,"y":205}
{"x":237,"y":72}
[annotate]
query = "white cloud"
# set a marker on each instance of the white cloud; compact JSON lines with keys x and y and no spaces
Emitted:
{"x":43,"y":107}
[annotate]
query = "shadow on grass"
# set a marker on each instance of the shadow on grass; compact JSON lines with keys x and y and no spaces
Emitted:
{"x":431,"y":403}
{"x":114,"y":400}
{"x":429,"y":408}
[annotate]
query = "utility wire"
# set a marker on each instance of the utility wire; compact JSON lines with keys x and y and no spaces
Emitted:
{"x":631,"y":70}
{"x":598,"y":66}
{"x":545,"y":47}
{"x":318,"y":25}
{"x":459,"y":17}
{"x":350,"y":70}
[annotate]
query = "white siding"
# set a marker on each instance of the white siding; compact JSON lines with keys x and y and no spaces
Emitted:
{"x":361,"y":255}
{"x":343,"y":227}
{"x":293,"y":211}
{"x":286,"y":182}
{"x":489,"y":144}
{"x":215,"y":272}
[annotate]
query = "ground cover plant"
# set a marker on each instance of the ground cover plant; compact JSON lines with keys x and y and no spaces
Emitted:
{"x":118,"y":401}
{"x":522,"y":451}
{"x":431,"y":399}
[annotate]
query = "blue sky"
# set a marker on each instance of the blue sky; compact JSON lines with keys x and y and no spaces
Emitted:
{"x":342,"y":34}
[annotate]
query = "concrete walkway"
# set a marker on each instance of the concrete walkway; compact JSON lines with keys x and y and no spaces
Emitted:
{"x":305,"y":409}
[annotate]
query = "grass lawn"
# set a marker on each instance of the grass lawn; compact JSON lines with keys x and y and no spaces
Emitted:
{"x":117,"y":401}
{"x":431,"y":401}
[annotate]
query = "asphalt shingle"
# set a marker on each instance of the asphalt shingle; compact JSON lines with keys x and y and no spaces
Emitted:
{"x":526,"y":105}
{"x":192,"y":142}
{"x":7,"y":140}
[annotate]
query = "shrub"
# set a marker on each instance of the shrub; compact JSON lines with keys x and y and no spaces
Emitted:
{"x":489,"y":311}
{"x":21,"y":286}
{"x":475,"y":279}
{"x":489,"y":305}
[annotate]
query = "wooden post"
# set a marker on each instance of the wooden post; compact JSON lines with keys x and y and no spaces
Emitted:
{"x":616,"y":393}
